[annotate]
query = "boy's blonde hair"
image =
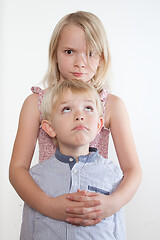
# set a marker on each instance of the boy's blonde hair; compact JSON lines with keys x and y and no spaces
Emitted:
{"x":95,"y":39}
{"x":53,"y":95}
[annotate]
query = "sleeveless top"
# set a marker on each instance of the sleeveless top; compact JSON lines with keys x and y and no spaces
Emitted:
{"x":45,"y":142}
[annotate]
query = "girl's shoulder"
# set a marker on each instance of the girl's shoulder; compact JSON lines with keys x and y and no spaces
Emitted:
{"x":114,"y":108}
{"x":32,"y":103}
{"x":32,"y":99}
{"x":35,"y":97}
{"x":29,"y":114}
{"x":113,"y":100}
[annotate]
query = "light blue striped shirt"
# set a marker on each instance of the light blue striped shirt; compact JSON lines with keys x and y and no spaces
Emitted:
{"x":62,"y":174}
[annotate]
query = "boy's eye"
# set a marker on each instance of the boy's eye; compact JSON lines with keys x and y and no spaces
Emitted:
{"x":89,"y":109}
{"x":69,"y":51}
{"x":66,"y":109}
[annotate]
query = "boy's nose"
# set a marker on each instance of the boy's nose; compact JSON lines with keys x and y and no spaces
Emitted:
{"x":79,"y":118}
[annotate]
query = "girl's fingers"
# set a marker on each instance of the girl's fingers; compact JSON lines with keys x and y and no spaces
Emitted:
{"x":84,"y":207}
{"x":83,"y":222}
{"x":85,"y":213}
{"x":82,"y":192}
{"x":81,"y":197}
{"x":91,"y":194}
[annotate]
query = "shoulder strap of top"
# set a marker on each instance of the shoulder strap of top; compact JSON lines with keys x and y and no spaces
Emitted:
{"x":103,"y":95}
{"x":40,"y":92}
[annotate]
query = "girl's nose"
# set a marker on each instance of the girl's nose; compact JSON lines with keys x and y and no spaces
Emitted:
{"x":80,"y":60}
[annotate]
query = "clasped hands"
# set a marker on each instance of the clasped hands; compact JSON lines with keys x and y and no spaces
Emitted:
{"x":83,"y":208}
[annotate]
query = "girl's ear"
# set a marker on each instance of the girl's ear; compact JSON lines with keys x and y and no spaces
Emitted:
{"x":100,"y":125}
{"x":46,"y":126}
{"x":101,"y":61}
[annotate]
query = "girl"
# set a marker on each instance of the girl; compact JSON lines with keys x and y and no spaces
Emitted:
{"x":78,"y":50}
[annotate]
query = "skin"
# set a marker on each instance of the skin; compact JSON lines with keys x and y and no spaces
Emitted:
{"x":81,"y":208}
{"x":71,"y":55}
{"x":75,"y":123}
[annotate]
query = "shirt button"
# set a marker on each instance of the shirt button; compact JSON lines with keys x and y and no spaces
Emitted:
{"x":75,"y":171}
{"x":71,"y":159}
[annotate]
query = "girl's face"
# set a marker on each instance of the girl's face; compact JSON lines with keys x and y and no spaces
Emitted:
{"x":72,"y":55}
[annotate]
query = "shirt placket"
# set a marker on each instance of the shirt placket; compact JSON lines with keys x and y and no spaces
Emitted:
{"x":75,"y":185}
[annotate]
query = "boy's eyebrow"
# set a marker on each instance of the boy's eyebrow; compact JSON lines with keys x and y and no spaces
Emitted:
{"x":90,"y":101}
{"x":85,"y":100}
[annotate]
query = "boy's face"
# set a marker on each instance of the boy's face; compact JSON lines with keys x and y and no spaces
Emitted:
{"x":75,"y":121}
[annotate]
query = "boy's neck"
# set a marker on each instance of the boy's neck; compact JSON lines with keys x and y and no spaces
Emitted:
{"x":74,"y":151}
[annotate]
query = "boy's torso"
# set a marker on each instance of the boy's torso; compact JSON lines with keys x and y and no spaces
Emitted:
{"x":57,"y":177}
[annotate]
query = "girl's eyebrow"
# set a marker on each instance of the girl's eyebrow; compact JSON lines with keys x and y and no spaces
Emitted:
{"x":68,"y":47}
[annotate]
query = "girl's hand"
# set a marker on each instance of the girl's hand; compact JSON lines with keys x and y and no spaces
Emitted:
{"x":106,"y":208}
{"x":62,"y":204}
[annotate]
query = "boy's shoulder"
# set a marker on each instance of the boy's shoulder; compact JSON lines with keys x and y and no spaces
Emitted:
{"x":110,"y":165}
{"x":42,"y":165}
{"x":43,"y":171}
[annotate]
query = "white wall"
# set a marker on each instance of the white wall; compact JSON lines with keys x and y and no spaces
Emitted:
{"x":134,"y":35}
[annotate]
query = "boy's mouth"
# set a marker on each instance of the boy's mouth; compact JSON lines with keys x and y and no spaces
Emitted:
{"x":80,"y":127}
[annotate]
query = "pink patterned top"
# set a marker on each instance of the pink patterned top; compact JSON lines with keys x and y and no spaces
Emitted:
{"x":46,"y":146}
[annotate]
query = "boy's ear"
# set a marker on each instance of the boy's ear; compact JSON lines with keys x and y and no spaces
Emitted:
{"x":46,"y":126}
{"x":100,"y":125}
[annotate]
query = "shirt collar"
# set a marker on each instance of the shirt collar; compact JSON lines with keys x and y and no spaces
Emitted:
{"x":71,"y":160}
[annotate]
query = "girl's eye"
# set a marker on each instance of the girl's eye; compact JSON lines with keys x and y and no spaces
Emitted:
{"x":66,"y":109}
{"x":91,"y":53}
{"x":69,"y":51}
{"x":89,"y":109}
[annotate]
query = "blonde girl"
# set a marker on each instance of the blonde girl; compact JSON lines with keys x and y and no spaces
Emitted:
{"x":78,"y":50}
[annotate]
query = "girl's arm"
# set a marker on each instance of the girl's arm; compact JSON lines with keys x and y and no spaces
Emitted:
{"x":22,"y":154}
{"x":19,"y":176}
{"x":117,"y":120}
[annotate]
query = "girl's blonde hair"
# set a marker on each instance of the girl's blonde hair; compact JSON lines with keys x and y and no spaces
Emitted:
{"x":95,"y":39}
{"x":54,"y":94}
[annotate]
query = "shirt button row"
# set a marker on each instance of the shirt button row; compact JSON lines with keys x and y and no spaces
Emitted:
{"x":71,"y":159}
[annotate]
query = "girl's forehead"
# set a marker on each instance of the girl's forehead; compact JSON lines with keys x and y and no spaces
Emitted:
{"x":73,"y":33}
{"x":71,"y":27}
{"x":75,"y":36}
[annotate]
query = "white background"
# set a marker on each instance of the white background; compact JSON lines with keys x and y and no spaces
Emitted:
{"x":133,"y":31}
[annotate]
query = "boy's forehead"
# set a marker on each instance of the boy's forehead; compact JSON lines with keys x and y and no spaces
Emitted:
{"x":71,"y":95}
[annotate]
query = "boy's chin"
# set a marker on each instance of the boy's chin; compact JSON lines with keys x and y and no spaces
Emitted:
{"x":83,"y":140}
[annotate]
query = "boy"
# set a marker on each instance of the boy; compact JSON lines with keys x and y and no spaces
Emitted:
{"x":72,"y":114}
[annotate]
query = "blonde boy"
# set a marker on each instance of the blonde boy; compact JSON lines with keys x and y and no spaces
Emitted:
{"x":72,"y":114}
